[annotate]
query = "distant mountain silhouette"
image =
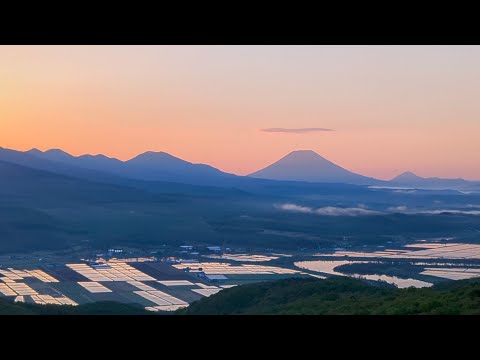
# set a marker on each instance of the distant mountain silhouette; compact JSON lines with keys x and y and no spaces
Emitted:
{"x":149,"y":166}
{"x":156,"y":172}
{"x":52,"y":154}
{"x":36,"y":159}
{"x":95,"y":162}
{"x":410,"y":179}
{"x":407,"y":176}
{"x":307,"y":165}
{"x":302,"y":166}
{"x":163,"y":166}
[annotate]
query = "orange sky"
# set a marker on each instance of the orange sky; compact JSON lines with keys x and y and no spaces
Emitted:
{"x":392,"y":108}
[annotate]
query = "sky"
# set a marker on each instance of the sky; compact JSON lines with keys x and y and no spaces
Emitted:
{"x":375,"y":110}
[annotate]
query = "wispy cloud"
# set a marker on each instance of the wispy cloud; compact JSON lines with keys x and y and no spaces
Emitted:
{"x":295,"y":131}
{"x":398,"y":209}
{"x":295,"y":208}
{"x":451,"y":211}
{"x":406,"y":210}
{"x":362,"y":210}
{"x":336,"y":211}
{"x":405,"y":191}
{"x":329,"y":210}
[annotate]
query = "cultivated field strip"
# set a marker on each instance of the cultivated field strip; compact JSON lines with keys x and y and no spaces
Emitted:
{"x":13,"y":274}
{"x":94,"y":287}
{"x":217,"y":268}
{"x":175,"y":282}
{"x":160,"y":298}
{"x":48,"y":299}
{"x":111,"y":272}
{"x":99,"y":278}
{"x":164,"y":308}
{"x":206,"y":292}
{"x":141,"y":286}
{"x":452,"y":273}
{"x":420,"y":251}
{"x":244,"y":257}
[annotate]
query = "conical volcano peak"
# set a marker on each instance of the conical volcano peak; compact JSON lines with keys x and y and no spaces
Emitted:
{"x":304,"y":153}
{"x":307,"y":165}
{"x":407,"y":175}
{"x":304,"y":158}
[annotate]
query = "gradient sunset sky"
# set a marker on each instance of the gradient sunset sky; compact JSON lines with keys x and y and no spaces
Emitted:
{"x":391,"y":108}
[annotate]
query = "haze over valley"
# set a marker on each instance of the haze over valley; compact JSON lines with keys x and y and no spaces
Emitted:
{"x":239,"y":180}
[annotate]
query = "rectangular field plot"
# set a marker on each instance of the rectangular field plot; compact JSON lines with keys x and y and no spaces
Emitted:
{"x":94,"y":287}
{"x":13,"y":274}
{"x":171,"y":299}
{"x":206,"y":292}
{"x":63,"y":300}
{"x":425,"y":245}
{"x":141,"y":286}
{"x":217,"y":268}
{"x":38,"y":300}
{"x":160,"y":298}
{"x":419,"y":251}
{"x":5,"y":290}
{"x":47,"y":299}
{"x":176,"y":283}
{"x":452,"y":273}
{"x":21,"y":289}
{"x":44,"y":299}
{"x":152,"y":298}
{"x":10,"y":275}
{"x":244,"y":257}
{"x":203,"y":286}
{"x":42,"y":276}
{"x":164,"y":308}
{"x":154,"y":285}
{"x":113,"y":272}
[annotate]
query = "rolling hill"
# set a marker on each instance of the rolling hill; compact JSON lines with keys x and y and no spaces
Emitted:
{"x":340,"y":296}
{"x":8,"y":307}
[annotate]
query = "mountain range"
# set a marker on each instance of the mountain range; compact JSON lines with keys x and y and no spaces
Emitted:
{"x":303,"y":166}
{"x":149,"y":166}
{"x":412,"y":180}
{"x":52,"y":200}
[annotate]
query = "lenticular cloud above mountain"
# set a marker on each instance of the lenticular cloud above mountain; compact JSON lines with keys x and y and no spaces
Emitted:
{"x":328,"y":210}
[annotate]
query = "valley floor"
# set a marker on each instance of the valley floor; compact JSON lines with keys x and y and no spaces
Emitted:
{"x":170,"y":279}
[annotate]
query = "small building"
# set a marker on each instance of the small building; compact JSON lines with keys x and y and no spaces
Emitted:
{"x":187,"y":247}
{"x":116,"y":251}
